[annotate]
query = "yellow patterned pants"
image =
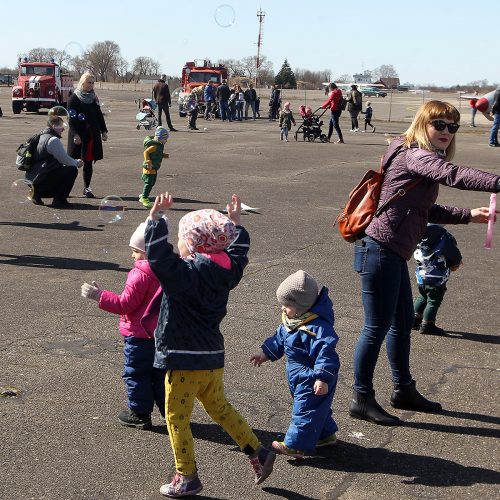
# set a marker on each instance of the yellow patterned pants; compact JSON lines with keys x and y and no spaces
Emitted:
{"x":182,"y":387}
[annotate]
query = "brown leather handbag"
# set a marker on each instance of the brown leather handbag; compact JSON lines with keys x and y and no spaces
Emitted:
{"x":362,"y":204}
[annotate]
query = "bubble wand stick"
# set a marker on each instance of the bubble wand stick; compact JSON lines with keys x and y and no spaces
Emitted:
{"x":491,"y":221}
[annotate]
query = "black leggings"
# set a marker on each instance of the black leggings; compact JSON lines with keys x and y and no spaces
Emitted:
{"x":87,"y":173}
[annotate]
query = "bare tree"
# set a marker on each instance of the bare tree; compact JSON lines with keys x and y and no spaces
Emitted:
{"x":384,"y":71}
{"x":40,"y":54}
{"x":345,"y":78}
{"x":102,"y":57}
{"x":121,"y":67}
{"x":144,"y":65}
{"x":234,"y":66}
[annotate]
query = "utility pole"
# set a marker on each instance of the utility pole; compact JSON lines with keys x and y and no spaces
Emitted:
{"x":260,"y":16}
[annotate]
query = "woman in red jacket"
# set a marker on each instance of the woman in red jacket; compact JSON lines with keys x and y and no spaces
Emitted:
{"x":334,"y":102}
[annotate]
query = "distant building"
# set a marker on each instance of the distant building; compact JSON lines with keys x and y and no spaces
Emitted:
{"x":365,"y":77}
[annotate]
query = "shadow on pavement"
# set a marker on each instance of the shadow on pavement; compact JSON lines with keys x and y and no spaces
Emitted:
{"x":475,"y":337}
{"x":69,"y":226}
{"x":59,"y":263}
{"x":281,"y":492}
{"x":419,"y":469}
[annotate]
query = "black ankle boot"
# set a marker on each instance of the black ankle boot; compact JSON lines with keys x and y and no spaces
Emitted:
{"x":406,"y":397}
{"x":431,"y":329}
{"x":365,"y":407}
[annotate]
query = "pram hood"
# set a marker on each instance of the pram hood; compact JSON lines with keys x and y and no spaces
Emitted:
{"x":149,"y":102}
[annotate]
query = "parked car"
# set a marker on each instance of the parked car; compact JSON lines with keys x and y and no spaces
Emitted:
{"x":373,"y":92}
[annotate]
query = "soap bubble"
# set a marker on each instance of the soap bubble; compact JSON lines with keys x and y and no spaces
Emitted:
{"x":105,"y":108}
{"x":58,"y":111}
{"x":81,"y":117}
{"x":21,"y":190}
{"x":224,"y":16}
{"x":111,"y":209}
{"x":72,"y":113}
{"x":74,"y":49}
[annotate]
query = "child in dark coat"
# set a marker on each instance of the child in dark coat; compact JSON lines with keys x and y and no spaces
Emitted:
{"x":368,"y":112}
{"x":189,"y":344}
{"x":436,"y":255}
{"x":307,"y":338}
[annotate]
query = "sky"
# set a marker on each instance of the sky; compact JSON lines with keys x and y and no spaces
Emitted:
{"x":444,"y":42}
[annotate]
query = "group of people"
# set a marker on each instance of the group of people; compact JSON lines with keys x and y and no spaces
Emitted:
{"x":173,"y":305}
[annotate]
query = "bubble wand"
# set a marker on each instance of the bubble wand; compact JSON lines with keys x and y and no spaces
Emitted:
{"x":491,"y":221}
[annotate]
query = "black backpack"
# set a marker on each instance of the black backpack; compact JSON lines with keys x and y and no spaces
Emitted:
{"x":26,"y":153}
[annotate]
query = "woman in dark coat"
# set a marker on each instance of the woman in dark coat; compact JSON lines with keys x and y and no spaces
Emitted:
{"x":87,"y":128}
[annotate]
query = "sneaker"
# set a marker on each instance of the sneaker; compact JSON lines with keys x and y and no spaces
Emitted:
{"x":356,"y":130}
{"x":132,"y":419}
{"x":340,"y":141}
{"x":494,"y":145}
{"x":146,"y":202}
{"x":328,"y":441}
{"x":263,"y":464}
{"x":373,"y":130}
{"x":180,"y":486}
{"x":286,"y":140}
{"x":173,"y":129}
{"x":87,"y":192}
{"x":283,"y":449}
{"x":431,"y":329}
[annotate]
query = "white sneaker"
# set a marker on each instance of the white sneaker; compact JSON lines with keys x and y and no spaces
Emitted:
{"x":356,"y":130}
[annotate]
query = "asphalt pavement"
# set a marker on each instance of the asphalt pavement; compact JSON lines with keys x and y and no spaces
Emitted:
{"x":61,"y":359}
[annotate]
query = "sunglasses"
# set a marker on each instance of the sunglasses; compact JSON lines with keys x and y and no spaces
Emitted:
{"x":440,"y":125}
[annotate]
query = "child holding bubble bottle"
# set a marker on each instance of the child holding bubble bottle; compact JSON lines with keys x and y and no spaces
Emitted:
{"x":144,"y":383}
{"x":307,"y":338}
{"x":196,"y":283}
{"x":153,"y":156}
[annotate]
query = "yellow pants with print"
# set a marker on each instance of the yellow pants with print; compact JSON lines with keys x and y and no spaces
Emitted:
{"x":182,"y":387}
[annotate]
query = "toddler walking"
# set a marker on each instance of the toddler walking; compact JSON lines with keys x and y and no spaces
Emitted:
{"x":307,"y":338}
{"x":189,"y":344}
{"x":153,"y":156}
{"x":286,"y":120}
{"x":436,"y":255}
{"x":368,"y":112}
{"x":144,"y":383}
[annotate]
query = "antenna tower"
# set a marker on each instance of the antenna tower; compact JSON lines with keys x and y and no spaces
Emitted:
{"x":260,"y":16}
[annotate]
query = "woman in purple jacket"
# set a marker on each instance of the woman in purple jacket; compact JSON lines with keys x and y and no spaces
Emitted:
{"x":424,"y":151}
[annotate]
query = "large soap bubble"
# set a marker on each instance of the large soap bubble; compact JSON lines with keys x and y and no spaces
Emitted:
{"x":224,"y":16}
{"x":111,"y":209}
{"x":58,"y":111}
{"x":21,"y":190}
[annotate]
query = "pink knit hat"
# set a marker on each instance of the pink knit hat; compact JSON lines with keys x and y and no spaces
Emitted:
{"x":206,"y":231}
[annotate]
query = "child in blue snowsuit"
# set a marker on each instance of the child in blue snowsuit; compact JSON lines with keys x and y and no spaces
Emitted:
{"x":307,"y":338}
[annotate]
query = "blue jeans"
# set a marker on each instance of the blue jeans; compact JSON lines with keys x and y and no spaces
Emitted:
{"x":284,"y":133}
{"x":334,"y":124}
{"x":494,"y":129}
{"x":224,"y":111}
{"x":239,"y":110}
{"x":388,"y":307}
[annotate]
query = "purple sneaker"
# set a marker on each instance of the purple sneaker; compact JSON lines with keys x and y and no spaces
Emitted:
{"x":181,"y":487}
{"x":263,"y":464}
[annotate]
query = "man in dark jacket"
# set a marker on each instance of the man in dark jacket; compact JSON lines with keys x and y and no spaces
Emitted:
{"x":161,"y":94}
{"x":495,"y":112}
{"x":223,"y":94}
{"x":250,"y":98}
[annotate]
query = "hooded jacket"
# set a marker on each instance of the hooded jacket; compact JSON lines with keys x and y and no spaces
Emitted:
{"x":402,"y":224}
{"x":194,"y":300}
{"x":310,"y":349}
{"x":140,"y":288}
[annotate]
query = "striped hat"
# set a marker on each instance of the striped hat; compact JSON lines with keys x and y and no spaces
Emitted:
{"x":206,"y":231}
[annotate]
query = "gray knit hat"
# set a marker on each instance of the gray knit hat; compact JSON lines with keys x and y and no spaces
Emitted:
{"x":299,"y":290}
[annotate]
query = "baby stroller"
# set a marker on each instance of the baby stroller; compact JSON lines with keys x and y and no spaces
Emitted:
{"x":146,"y":116}
{"x":310,"y":128}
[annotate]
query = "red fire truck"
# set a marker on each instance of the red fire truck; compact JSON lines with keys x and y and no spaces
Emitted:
{"x":40,"y":85}
{"x":198,"y":73}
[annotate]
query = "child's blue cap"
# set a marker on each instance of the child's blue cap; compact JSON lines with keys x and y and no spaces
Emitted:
{"x":161,"y":133}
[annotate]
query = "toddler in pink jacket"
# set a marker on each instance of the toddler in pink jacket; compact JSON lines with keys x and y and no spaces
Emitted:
{"x":145,"y":384}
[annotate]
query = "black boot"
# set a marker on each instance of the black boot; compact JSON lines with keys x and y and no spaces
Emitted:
{"x":430,"y":328}
{"x":417,"y":322}
{"x":406,"y":397}
{"x":132,"y":419}
{"x":365,"y":407}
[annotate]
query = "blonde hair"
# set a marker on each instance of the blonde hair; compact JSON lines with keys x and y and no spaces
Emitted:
{"x":84,"y":78}
{"x":417,"y":131}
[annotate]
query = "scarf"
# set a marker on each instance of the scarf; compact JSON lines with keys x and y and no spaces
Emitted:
{"x":295,"y":323}
{"x":86,"y":97}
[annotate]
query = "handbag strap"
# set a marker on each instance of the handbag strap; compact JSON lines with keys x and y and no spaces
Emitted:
{"x":399,"y":194}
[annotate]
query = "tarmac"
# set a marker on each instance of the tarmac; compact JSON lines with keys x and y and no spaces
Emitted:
{"x":61,"y":359}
